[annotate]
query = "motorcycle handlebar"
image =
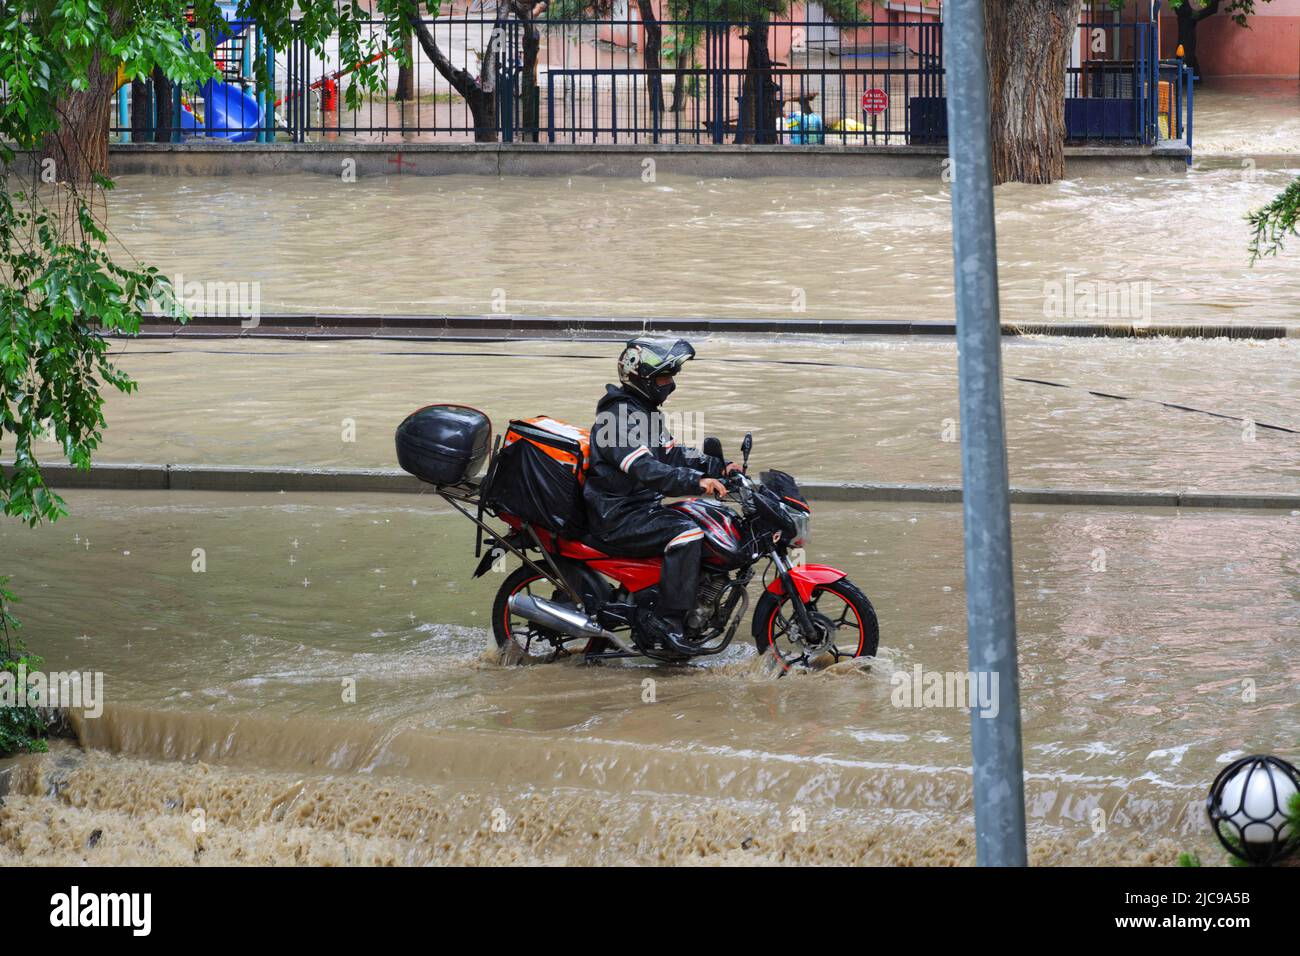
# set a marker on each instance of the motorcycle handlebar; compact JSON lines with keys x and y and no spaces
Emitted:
{"x":743,"y":487}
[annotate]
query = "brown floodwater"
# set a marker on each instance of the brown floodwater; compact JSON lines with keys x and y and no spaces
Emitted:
{"x":225,"y":694}
{"x":1164,"y":249}
{"x":1246,"y":115}
{"x":881,"y":410}
{"x":1155,"y":645}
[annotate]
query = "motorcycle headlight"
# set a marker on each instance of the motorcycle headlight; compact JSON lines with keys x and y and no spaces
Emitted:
{"x":803,"y":526}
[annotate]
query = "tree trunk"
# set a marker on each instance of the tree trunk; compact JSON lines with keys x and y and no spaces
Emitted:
{"x":1188,"y":18}
{"x":406,"y":71}
{"x":654,"y":41}
{"x":79,"y":147}
{"x":483,"y":107}
{"x":678,"y":102}
{"x":679,"y":78}
{"x":1028,"y":44}
{"x":760,"y":103}
{"x":479,"y":92}
{"x":164,"y":99}
{"x":530,"y":96}
{"x":141,"y":112}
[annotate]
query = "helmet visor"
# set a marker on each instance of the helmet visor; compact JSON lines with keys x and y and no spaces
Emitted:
{"x":665,"y":358}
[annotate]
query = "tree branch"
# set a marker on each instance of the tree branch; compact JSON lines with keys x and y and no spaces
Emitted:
{"x":461,"y":80}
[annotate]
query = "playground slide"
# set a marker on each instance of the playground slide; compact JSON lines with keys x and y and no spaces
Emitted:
{"x":229,"y":112}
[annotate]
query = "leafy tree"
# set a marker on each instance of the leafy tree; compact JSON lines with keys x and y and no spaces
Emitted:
{"x":1273,"y":224}
{"x":21,"y":727}
{"x":61,"y":286}
{"x":59,"y":63}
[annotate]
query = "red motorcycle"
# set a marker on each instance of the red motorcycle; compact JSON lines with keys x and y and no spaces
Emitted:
{"x":573,"y":594}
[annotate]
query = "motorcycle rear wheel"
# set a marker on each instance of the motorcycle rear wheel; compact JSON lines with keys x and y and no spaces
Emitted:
{"x":537,"y":642}
{"x":848,"y":616}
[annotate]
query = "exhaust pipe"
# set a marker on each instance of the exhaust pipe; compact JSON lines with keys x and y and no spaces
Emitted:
{"x":563,"y":619}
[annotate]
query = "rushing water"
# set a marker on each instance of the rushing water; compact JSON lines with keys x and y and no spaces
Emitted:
{"x":841,"y":249}
{"x":1132,"y":680}
{"x":883,"y":410}
{"x":1247,"y":117}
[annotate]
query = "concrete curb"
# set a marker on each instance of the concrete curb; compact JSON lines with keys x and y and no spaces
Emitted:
{"x":142,"y":477}
{"x":215,"y":158}
{"x":419,"y":327}
{"x":1236,"y":159}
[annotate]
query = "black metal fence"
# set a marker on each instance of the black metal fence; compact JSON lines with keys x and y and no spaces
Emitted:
{"x":616,"y":79}
{"x":595,"y":81}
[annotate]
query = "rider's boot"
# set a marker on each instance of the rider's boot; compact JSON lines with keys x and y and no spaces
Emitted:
{"x":668,"y":630}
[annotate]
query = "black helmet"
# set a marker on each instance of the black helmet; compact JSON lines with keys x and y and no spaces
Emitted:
{"x":643,"y":360}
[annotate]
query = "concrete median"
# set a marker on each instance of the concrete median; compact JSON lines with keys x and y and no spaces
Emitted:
{"x":165,"y":477}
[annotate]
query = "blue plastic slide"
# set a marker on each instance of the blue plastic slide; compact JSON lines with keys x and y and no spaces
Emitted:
{"x":229,"y":112}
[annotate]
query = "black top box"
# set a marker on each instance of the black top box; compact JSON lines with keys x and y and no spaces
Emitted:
{"x":444,"y":444}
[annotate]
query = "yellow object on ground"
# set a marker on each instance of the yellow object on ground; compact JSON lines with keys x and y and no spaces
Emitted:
{"x":847,"y":126}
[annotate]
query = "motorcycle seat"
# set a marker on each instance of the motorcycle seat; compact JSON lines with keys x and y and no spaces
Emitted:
{"x":602,"y":549}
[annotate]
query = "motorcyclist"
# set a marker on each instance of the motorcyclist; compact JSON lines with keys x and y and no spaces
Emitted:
{"x":635,"y":462}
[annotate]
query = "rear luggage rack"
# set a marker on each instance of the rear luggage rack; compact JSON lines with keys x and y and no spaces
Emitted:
{"x":468,"y":492}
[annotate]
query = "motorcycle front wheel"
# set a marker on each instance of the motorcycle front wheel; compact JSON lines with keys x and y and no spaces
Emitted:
{"x":842,"y":615}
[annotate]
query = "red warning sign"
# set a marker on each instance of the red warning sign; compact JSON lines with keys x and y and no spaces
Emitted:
{"x":875,"y":101}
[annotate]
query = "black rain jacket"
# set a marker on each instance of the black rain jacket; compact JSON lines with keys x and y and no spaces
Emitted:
{"x":635,"y":462}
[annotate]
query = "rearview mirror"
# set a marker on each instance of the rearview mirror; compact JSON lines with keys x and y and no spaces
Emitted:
{"x":745,"y":447}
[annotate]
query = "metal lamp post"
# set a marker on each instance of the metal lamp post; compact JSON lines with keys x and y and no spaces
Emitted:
{"x":990,"y":598}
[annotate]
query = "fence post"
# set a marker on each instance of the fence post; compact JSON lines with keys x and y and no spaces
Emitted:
{"x":714,"y":47}
{"x":270,"y":93}
{"x":262,"y":100}
{"x":302,"y":101}
{"x":997,"y":762}
{"x":503,"y":40}
{"x":176,"y":112}
{"x":291,"y":88}
{"x":550,"y":107}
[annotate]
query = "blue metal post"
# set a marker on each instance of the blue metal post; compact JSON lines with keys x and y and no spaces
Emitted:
{"x":123,"y":111}
{"x":261,"y":88}
{"x":1155,"y":81}
{"x":269,"y":113}
{"x":1140,"y":91}
{"x":997,"y":760}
